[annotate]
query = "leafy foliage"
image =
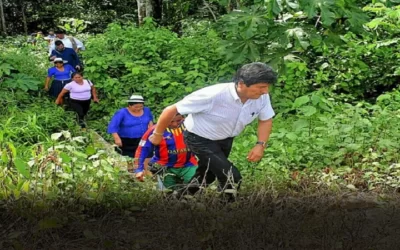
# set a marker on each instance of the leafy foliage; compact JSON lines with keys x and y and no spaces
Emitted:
{"x":336,"y":100}
{"x":153,"y":62}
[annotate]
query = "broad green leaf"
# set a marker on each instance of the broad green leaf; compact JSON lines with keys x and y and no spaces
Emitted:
{"x":384,"y":97}
{"x":12,"y":149}
{"x":308,"y":110}
{"x":315,"y":99}
{"x":375,"y":23}
{"x":65,"y":158}
{"x":80,"y":154}
{"x":25,"y":187}
{"x":300,"y":124}
{"x":90,"y":150}
{"x":273,"y":8}
{"x":22,"y":168}
{"x":327,"y":16}
{"x":4,"y":156}
{"x":300,"y":101}
{"x":291,"y":136}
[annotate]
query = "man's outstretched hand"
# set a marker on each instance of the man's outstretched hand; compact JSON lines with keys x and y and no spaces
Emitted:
{"x":256,"y":153}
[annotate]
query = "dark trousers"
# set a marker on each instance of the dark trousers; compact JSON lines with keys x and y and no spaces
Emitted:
{"x":81,"y":108}
{"x":129,"y":146}
{"x":213,"y":162}
{"x":57,"y":86}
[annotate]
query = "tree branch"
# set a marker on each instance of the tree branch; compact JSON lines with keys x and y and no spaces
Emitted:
{"x":209,"y":9}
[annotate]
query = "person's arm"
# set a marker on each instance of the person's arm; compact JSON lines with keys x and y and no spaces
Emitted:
{"x":79,"y":45}
{"x":151,"y":123}
{"x":113,"y":127}
{"x":70,"y":68}
{"x":117,"y":139}
{"x":50,"y":73}
{"x":264,"y":131}
{"x":76,"y":62}
{"x":197,"y":102}
{"x":46,"y":83}
{"x":53,"y":55}
{"x":163,"y":121}
{"x":59,"y":99}
{"x":94,"y":93}
{"x":52,"y":47}
{"x":143,"y":150}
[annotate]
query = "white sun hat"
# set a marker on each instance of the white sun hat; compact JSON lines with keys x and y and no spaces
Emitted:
{"x":136,"y":98}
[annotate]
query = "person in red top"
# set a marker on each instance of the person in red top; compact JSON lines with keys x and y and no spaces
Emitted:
{"x":178,"y":162}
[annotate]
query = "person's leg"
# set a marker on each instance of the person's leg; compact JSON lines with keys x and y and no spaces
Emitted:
{"x":187,"y":174}
{"x":169,"y":178}
{"x":129,"y":146}
{"x":77,"y":107}
{"x":226,"y":146}
{"x":55,"y":88}
{"x":212,"y":157}
{"x":86,"y":106}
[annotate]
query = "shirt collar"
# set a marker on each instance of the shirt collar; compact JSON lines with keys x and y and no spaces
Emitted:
{"x":232,"y":89}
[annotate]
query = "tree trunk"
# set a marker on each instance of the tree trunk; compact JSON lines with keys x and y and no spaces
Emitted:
{"x":3,"y":19}
{"x":149,"y":8}
{"x":145,"y":9}
{"x":24,"y":17}
{"x":141,"y":10}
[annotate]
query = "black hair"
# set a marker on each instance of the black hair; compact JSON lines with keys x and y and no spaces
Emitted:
{"x":133,"y":103}
{"x":59,"y":31}
{"x":254,"y":73}
{"x":58,"y":42}
{"x":77,"y":73}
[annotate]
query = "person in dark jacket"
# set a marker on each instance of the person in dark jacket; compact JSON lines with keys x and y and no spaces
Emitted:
{"x":67,"y":54}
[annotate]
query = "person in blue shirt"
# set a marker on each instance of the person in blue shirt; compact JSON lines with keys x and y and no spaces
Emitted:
{"x":67,"y":54}
{"x":129,"y":124}
{"x":61,"y":74}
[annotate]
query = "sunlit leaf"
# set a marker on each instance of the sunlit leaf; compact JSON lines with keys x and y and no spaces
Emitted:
{"x":56,"y":136}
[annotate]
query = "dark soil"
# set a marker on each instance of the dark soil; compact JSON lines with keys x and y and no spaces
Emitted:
{"x":350,"y":221}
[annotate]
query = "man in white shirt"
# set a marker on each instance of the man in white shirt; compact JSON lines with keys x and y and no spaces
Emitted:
{"x":68,"y":41}
{"x":217,"y":114}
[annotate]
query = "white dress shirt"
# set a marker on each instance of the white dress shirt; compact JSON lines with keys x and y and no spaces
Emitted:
{"x":216,"y":112}
{"x":67,"y":44}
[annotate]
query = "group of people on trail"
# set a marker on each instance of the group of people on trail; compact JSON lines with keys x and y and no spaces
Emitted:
{"x":131,"y":126}
{"x":64,"y":81}
{"x":194,"y":151}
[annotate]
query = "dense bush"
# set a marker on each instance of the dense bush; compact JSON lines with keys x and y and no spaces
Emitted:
{"x":153,"y":62}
